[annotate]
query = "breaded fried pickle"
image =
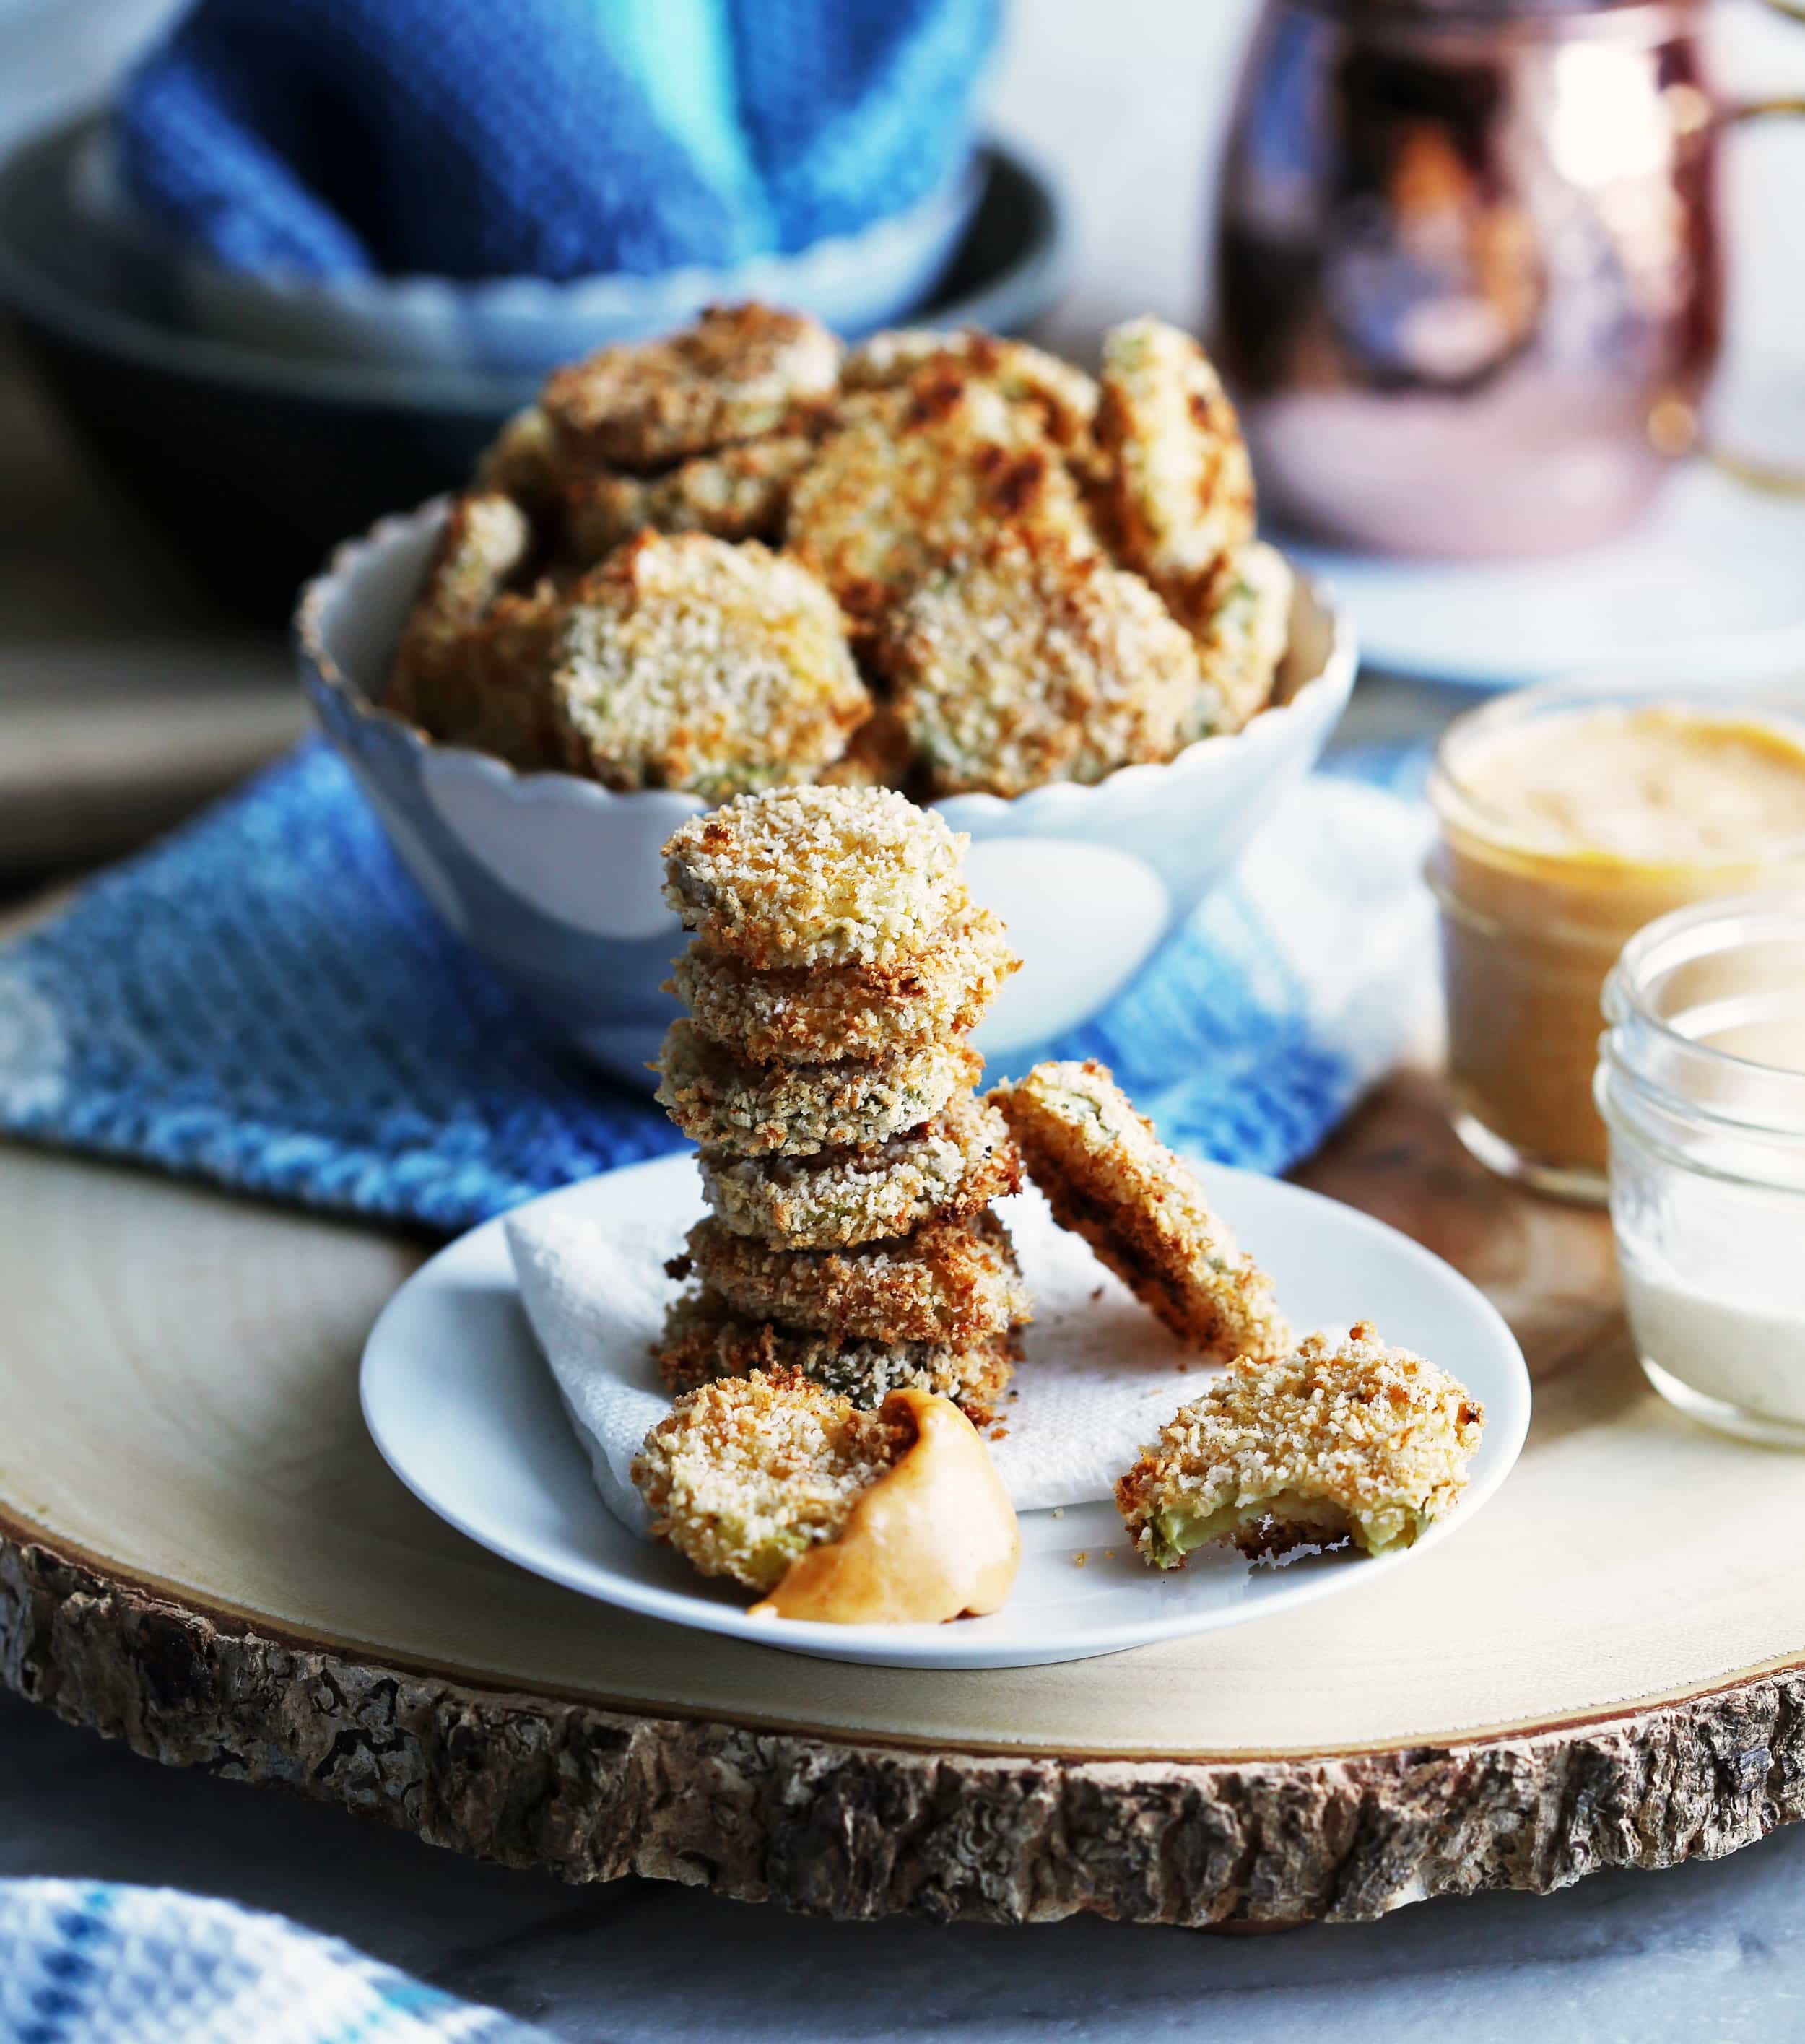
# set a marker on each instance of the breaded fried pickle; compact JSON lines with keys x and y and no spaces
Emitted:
{"x":747,"y":1473}
{"x":791,"y":1015}
{"x":1021,"y":664}
{"x":686,"y":663}
{"x":1180,"y":487}
{"x":473,"y":663}
{"x":704,"y":1338}
{"x":816,"y":876}
{"x":922,"y":478}
{"x":1109,"y":1179}
{"x":522,"y":462}
{"x":740,"y":494}
{"x":951,"y":1281}
{"x":794,"y":1110}
{"x":961,"y":1160}
{"x":1348,"y":1440}
{"x":1064,"y":396}
{"x":1242,"y":637}
{"x":734,"y":375}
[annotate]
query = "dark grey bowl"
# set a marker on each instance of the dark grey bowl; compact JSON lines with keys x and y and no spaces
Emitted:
{"x":257,"y":465}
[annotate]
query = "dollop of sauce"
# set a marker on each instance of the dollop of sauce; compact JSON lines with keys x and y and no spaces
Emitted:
{"x":1562,"y":835}
{"x":934,"y":1538}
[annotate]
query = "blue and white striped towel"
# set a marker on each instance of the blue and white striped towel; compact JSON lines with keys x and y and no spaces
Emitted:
{"x":264,"y":1000}
{"x":86,"y":1962}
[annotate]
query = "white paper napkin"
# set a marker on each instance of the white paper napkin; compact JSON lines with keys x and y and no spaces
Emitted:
{"x":1101,"y":1376}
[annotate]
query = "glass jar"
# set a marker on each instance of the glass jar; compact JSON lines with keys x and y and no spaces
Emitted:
{"x":1701,"y":1082}
{"x":1538,"y":902}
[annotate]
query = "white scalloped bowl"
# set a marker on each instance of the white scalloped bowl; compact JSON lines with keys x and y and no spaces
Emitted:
{"x":555,"y":881}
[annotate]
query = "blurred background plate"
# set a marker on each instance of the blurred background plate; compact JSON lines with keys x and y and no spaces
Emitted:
{"x":257,"y":465}
{"x":1710,"y":585}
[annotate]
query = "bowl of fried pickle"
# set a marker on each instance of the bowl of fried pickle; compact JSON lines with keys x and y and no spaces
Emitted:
{"x":744,"y":555}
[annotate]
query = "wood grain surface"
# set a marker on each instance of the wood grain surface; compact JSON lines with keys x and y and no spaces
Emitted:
{"x":203,"y":1554}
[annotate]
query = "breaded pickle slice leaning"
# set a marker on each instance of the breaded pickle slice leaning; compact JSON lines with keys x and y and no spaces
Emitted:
{"x":1109,"y":1179}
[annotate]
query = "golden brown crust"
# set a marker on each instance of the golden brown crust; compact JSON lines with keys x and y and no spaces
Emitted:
{"x":951,"y":1165}
{"x":801,"y":876}
{"x":1179,"y":485}
{"x":1340,"y":1440}
{"x":1241,"y":638}
{"x":1063,"y":396}
{"x":928,"y":472}
{"x":953,"y":1282}
{"x":733,"y":375}
{"x":683,"y":661}
{"x":741,"y":493}
{"x":704,"y":1340}
{"x":1109,"y":1178}
{"x":745,"y":1473}
{"x":809,"y":1016}
{"x":473,"y":667}
{"x":1021,"y":664}
{"x":795,"y":1110}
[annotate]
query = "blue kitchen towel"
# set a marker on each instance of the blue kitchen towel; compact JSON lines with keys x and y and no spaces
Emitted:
{"x":265,"y":1001}
{"x":551,"y":138}
{"x":85,"y":1962}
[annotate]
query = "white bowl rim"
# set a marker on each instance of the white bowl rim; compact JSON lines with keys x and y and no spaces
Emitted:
{"x":350,"y":558}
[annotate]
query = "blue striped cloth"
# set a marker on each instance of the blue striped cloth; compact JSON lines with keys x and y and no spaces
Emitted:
{"x":550,"y":138}
{"x":86,"y":1962}
{"x":265,"y":1001}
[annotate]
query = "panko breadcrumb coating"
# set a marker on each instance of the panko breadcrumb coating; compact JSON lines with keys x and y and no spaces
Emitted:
{"x":732,"y":376}
{"x":686,"y":663}
{"x":1180,"y":485}
{"x":951,"y":1280}
{"x":795,"y":1110}
{"x":473,"y":665}
{"x":704,"y":1338}
{"x":747,"y":1473}
{"x":1064,"y":396}
{"x":522,"y":462}
{"x":793,"y":1015}
{"x":1021,"y":665}
{"x":1241,"y":638}
{"x":921,"y":477}
{"x":816,"y":876}
{"x":1109,"y":1179}
{"x":740,"y":494}
{"x":1348,"y":1440}
{"x":959,"y":1162}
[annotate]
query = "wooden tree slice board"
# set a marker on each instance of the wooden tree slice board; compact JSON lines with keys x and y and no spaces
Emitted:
{"x":201,"y":1552}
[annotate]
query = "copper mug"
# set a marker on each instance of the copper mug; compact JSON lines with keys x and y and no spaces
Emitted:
{"x":1470,"y":268}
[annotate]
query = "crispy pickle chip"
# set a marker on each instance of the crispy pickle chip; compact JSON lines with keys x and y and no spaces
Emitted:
{"x":1349,"y":1440}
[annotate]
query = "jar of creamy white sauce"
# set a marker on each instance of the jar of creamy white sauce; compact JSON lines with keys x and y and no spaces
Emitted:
{"x":1701,"y":1085}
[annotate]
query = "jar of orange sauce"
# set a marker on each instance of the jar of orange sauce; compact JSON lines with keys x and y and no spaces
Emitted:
{"x":1570,"y":816}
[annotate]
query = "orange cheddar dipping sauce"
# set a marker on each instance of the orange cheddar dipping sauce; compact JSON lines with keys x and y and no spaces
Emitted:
{"x":1563,"y":830}
{"x":935,"y":1538}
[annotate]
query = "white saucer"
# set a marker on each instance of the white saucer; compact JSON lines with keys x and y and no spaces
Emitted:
{"x":1709,"y":587}
{"x":465,"y":1411}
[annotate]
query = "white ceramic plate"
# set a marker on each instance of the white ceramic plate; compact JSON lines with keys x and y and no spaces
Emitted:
{"x":1708,"y":586}
{"x":465,"y":1411}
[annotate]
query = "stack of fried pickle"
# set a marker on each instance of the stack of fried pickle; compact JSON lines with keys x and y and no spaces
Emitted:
{"x":826,"y":1070}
